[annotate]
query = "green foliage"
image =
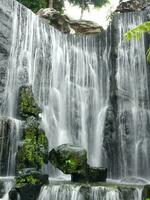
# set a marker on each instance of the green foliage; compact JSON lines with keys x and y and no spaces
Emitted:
{"x":34,"y":152}
{"x":30,"y":179}
{"x":71,"y":164}
{"x":99,"y":3}
{"x":137,"y":33}
{"x":27,"y":105}
{"x":34,"y":5}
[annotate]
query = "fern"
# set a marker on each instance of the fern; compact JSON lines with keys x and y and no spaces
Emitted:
{"x":137,"y":33}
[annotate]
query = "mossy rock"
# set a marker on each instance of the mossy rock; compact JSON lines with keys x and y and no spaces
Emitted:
{"x":146,"y":193}
{"x":34,"y":150}
{"x":28,"y":185}
{"x":68,"y":158}
{"x":27,"y":105}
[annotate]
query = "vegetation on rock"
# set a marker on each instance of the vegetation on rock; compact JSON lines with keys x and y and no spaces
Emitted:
{"x":68,"y":158}
{"x":27,"y":105}
{"x":138,"y":32}
{"x":73,"y":160}
{"x":34,"y":152}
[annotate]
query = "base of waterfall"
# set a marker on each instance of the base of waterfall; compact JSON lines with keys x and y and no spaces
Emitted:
{"x":58,"y":189}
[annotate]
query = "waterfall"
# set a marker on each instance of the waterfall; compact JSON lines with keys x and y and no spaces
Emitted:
{"x":70,"y":79}
{"x":133,"y":101}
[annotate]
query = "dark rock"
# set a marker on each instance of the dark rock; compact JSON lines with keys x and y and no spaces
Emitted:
{"x":2,"y":189}
{"x":146,"y":192}
{"x":68,"y":25}
{"x":28,"y":185}
{"x":92,"y":174}
{"x":27,"y":105}
{"x":129,"y":6}
{"x":68,"y":158}
{"x":13,"y":194}
{"x":7,"y":132}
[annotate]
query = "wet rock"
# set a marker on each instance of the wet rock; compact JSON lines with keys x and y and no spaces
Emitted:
{"x":73,"y":160}
{"x":68,"y":25}
{"x":146,"y":192}
{"x":7,"y":132}
{"x":28,"y":185}
{"x":92,"y":174}
{"x":2,"y":189}
{"x":129,"y":6}
{"x":68,"y":158}
{"x":27,"y":105}
{"x":34,"y":150}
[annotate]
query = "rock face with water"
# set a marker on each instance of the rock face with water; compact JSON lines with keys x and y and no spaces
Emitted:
{"x":5,"y":42}
{"x":7,"y":133}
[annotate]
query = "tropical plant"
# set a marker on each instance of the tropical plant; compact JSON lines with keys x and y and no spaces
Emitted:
{"x":137,"y":33}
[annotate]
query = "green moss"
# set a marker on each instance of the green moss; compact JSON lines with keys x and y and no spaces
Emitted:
{"x":34,"y":152}
{"x":27,"y":105}
{"x":30,"y":179}
{"x":71,"y":164}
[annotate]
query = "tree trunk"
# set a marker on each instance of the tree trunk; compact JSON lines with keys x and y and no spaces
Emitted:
{"x":50,"y":4}
{"x":82,"y":9}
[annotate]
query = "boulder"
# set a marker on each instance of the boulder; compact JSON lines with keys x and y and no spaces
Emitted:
{"x":34,"y":150}
{"x":28,"y":185}
{"x":73,"y":160}
{"x":129,"y":6}
{"x":27,"y":105}
{"x":67,"y":25}
{"x":69,"y":159}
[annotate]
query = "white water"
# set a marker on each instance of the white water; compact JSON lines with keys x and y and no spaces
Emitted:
{"x":133,"y":102}
{"x":69,"y":81}
{"x":82,"y":192}
{"x":70,"y":77}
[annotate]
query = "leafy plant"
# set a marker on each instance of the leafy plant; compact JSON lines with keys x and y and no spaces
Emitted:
{"x":138,"y":32}
{"x":34,"y":5}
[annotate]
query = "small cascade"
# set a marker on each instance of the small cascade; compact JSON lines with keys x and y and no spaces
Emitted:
{"x":74,"y":192}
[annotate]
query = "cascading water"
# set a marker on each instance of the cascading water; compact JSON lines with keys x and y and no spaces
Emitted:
{"x":133,"y":101}
{"x":71,"y":79}
{"x":69,"y":82}
{"x":83,"y":192}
